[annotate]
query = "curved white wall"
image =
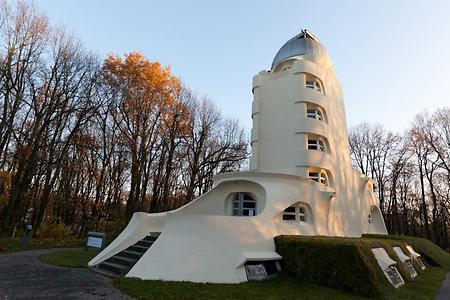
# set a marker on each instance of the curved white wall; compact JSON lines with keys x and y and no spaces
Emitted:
{"x":203,"y":242}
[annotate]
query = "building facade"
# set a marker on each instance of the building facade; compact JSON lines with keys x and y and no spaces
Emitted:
{"x":300,"y":182}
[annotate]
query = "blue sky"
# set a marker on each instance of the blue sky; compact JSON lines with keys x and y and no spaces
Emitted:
{"x":391,"y":57}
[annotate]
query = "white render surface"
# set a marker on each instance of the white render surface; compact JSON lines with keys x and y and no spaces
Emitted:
{"x":383,"y":259}
{"x":411,"y":250}
{"x":203,"y":242}
{"x":401,"y":255}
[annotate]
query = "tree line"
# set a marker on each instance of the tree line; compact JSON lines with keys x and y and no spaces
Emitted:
{"x":86,"y":142}
{"x":412,"y":173}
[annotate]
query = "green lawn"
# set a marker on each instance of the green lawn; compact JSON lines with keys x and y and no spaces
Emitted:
{"x":12,"y":245}
{"x":425,"y":286}
{"x":285,"y":287}
{"x":77,"y":258}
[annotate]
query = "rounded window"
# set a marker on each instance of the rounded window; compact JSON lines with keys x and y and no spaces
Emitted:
{"x":318,"y":143}
{"x":244,"y":204}
{"x":295,"y":213}
{"x":315,"y":113}
{"x":312,"y":82}
{"x":320,"y":177}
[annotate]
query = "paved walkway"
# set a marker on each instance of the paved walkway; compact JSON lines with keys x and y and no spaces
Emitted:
{"x":23,"y":276}
{"x":444,"y":293}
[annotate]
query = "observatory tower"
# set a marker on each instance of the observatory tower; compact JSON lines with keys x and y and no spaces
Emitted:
{"x":300,"y":182}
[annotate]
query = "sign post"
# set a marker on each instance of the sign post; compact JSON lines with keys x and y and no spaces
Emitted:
{"x":28,"y":228}
{"x":95,"y":240}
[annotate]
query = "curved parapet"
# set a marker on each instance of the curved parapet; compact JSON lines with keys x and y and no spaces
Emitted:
{"x":376,"y":221}
{"x":140,"y":225}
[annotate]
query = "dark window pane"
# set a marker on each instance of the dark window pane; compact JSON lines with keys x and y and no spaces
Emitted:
{"x":287,"y":217}
{"x":249,"y":204}
{"x":248,"y":212}
{"x":247,"y":197}
{"x":290,"y":209}
{"x":271,"y":267}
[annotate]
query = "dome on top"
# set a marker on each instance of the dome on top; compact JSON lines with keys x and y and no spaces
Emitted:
{"x":303,"y":43}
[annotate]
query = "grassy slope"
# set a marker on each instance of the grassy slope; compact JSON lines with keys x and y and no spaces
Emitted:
{"x":11,"y":245}
{"x":425,"y":286}
{"x":285,"y":287}
{"x":69,"y":258}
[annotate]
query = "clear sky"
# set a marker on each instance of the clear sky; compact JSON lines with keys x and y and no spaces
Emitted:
{"x":391,"y":57}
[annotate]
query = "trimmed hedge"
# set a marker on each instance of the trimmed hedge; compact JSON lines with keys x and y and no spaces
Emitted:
{"x":341,"y":263}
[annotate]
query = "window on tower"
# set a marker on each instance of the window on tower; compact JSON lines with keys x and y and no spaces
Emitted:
{"x":312,"y":82}
{"x":318,"y":145}
{"x":320,"y":177}
{"x":315,"y":114}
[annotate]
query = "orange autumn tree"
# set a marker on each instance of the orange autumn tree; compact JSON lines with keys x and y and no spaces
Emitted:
{"x":148,"y":107}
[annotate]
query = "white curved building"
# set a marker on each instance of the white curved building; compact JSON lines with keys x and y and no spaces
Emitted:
{"x":300,"y":182}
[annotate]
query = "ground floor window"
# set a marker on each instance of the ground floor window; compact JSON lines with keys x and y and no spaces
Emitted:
{"x":294,"y":213}
{"x":244,"y":204}
{"x":394,"y":276}
{"x":262,"y":270}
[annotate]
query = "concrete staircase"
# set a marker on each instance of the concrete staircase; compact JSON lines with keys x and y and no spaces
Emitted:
{"x":121,"y":263}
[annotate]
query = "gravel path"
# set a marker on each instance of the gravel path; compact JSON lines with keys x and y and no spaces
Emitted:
{"x":23,"y":276}
{"x":444,"y":293}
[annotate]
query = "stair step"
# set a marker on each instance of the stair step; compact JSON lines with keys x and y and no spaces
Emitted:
{"x":138,"y":248}
{"x":121,"y":263}
{"x":115,"y":268}
{"x":123,"y":260}
{"x":144,"y":243}
{"x":131,"y":254}
{"x":150,"y":238}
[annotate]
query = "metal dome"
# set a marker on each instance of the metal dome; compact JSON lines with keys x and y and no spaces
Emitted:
{"x":303,"y":43}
